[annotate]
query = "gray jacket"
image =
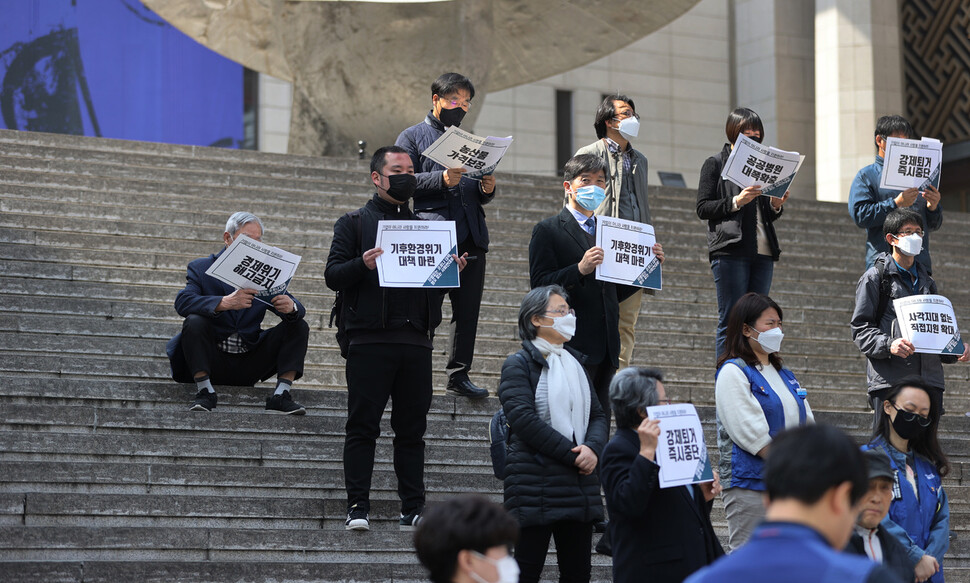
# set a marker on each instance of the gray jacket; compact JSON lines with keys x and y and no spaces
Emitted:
{"x":875,"y":338}
{"x":610,"y":207}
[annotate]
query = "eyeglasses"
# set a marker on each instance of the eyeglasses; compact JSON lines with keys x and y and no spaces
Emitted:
{"x":663,"y":401}
{"x":562,"y":312}
{"x":908,"y":232}
{"x":622,"y":116}
{"x":909,"y":416}
{"x":462,"y":104}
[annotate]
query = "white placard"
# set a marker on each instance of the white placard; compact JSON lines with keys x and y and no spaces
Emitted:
{"x":929,"y":323}
{"x":681,"y":451}
{"x":911,"y":164}
{"x":752,"y":164}
{"x":458,"y":148}
{"x":628,"y":257}
{"x":417,"y":254}
{"x":249,"y":264}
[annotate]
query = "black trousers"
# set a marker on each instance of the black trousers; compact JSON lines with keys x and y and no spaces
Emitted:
{"x":466,"y":302}
{"x":376,"y":372}
{"x":574,"y":541}
{"x":601,"y":375}
{"x":280,"y":349}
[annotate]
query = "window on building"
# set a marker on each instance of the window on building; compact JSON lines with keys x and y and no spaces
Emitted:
{"x":564,"y":128}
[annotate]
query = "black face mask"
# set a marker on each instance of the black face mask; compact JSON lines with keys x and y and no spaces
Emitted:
{"x":400,"y":187}
{"x":451,"y":117}
{"x":907,"y":425}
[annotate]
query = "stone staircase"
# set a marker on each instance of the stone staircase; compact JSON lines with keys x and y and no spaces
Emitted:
{"x":105,"y":476}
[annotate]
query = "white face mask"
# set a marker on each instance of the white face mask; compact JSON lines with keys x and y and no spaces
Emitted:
{"x":629,"y":127}
{"x":565,"y":325}
{"x":770,"y":340}
{"x":910,"y":245}
{"x":508,"y":569}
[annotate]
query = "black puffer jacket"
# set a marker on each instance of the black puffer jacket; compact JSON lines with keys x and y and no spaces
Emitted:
{"x":542,"y":486}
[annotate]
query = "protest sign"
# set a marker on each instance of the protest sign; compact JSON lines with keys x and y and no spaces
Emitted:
{"x":911,"y":164}
{"x":249,"y":264}
{"x":929,"y":323}
{"x":628,"y":257}
{"x":681,"y":451}
{"x":752,"y":164}
{"x":458,"y":148}
{"x":417,"y":254}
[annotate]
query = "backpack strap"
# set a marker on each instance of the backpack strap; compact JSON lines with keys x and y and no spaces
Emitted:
{"x":885,"y":289}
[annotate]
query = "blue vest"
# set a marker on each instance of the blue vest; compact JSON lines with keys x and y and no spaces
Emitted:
{"x":914,"y":516}
{"x":738,"y":468}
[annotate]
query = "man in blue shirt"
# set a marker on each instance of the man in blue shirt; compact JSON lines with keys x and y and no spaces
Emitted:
{"x":869,"y":204}
{"x":815,"y":476}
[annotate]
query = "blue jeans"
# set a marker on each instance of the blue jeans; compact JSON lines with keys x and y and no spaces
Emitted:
{"x":734,"y":277}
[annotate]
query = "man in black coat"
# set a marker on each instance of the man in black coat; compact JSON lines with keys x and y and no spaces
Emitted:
{"x":660,"y":535}
{"x":563,"y":251}
{"x":443,"y":194}
{"x":869,"y":537}
{"x":390,"y":332}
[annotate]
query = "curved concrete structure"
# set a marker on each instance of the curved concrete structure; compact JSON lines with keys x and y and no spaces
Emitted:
{"x":363,"y":70}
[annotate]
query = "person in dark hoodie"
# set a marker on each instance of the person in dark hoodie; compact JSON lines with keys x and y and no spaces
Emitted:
{"x":390,"y":332}
{"x":443,"y":194}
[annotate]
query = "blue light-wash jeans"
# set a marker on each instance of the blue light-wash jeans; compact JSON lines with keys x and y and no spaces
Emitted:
{"x":734,"y":277}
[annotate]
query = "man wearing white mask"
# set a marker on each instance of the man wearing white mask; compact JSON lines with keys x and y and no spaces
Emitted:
{"x":467,"y":540}
{"x":563,"y":252}
{"x":897,"y":274}
{"x":616,"y":123}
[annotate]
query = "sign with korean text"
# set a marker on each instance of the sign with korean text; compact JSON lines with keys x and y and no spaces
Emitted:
{"x":911,"y":164}
{"x":628,"y":257}
{"x":929,"y":323}
{"x":681,"y":451}
{"x":417,"y":254}
{"x":752,"y":164}
{"x":458,"y":148}
{"x":249,"y":264}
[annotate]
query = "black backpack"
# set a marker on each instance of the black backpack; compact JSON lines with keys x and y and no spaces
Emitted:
{"x":336,"y":311}
{"x":498,"y":442}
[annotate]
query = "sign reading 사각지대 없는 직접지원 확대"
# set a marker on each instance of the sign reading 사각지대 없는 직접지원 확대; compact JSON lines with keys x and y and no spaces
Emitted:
{"x":929,"y":323}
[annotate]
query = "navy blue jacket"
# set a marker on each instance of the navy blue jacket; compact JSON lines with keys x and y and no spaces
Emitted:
{"x":894,"y":555}
{"x":660,"y":535}
{"x":201,"y":295}
{"x":793,"y":553}
{"x":434,"y":201}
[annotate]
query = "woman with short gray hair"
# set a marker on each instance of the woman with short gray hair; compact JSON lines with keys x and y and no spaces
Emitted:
{"x":557,"y":431}
{"x":658,"y":534}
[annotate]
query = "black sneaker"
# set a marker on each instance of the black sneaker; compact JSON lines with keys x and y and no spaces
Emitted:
{"x":410,"y":520}
{"x":204,"y":401}
{"x":466,"y":388}
{"x":284,"y":404}
{"x":357,"y":519}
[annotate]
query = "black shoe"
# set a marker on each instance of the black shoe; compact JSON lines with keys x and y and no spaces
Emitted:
{"x":204,"y":401}
{"x":410,"y":520}
{"x":284,"y":404}
{"x":357,"y":519}
{"x":466,"y":388}
{"x":599,"y":526}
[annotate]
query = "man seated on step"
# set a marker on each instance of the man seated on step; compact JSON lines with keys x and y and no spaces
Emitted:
{"x":467,"y":539}
{"x":815,"y":477}
{"x":870,"y":538}
{"x":221,"y":341}
{"x":897,"y":274}
{"x":390,"y":332}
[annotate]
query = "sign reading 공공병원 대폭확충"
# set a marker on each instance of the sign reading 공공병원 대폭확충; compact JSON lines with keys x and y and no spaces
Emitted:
{"x":628,"y":257}
{"x":417,"y":254}
{"x":249,"y":264}
{"x":771,"y":169}
{"x":681,"y":452}
{"x":929,"y":323}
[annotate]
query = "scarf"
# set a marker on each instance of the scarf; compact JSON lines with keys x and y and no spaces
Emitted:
{"x":568,"y":387}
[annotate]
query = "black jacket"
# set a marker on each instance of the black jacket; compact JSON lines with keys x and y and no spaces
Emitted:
{"x":733,"y":234}
{"x":557,"y":246}
{"x":542,"y":486}
{"x":435,"y":201}
{"x":366,"y":305}
{"x":658,"y":535}
{"x":894,"y":555}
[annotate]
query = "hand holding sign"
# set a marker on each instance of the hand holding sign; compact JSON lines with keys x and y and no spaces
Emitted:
{"x":240,"y":299}
{"x":932,"y":196}
{"x":591,"y":259}
{"x":649,"y":433}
